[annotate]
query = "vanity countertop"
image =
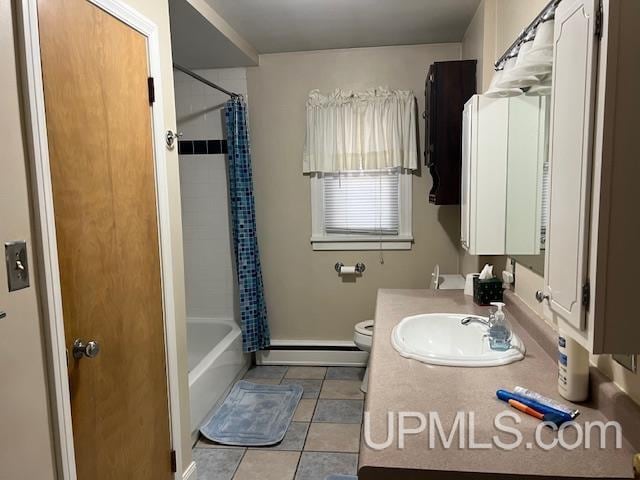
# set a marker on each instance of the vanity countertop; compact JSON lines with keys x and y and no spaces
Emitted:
{"x":397,"y":384}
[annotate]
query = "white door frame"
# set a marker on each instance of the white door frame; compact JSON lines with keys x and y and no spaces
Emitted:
{"x":49,"y":275}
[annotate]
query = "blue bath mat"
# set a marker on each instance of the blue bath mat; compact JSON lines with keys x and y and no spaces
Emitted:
{"x":253,"y":415}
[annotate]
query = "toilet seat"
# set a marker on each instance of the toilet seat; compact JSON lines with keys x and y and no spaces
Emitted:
{"x":365,"y":328}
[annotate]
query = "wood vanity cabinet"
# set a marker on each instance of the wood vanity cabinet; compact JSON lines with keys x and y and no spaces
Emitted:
{"x":448,"y":87}
{"x":592,"y":260}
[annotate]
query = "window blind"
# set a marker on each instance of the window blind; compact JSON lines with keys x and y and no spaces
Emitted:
{"x":362,"y":203}
{"x":546,"y":192}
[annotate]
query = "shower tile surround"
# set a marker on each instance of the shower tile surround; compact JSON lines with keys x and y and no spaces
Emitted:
{"x":209,"y":277}
{"x":202,"y":147}
{"x":323,"y":439}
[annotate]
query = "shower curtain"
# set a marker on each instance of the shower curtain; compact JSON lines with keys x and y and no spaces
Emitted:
{"x":253,"y":310}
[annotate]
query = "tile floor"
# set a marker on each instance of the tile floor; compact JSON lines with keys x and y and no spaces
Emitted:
{"x":323,"y":439}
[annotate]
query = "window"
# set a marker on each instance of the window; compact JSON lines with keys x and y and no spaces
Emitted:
{"x":362,"y":203}
{"x":361,"y":210}
{"x":546,"y":191}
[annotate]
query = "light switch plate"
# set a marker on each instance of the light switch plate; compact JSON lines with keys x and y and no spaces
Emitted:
{"x":17,"y":265}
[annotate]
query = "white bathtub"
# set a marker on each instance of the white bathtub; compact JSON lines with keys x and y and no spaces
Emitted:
{"x":215,"y":361}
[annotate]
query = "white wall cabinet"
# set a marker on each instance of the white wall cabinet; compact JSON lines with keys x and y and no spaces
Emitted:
{"x":592,"y":245}
{"x":484,"y":175}
{"x":505,"y":145}
{"x":571,"y":158}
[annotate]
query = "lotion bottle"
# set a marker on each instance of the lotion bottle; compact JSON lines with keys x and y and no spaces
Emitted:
{"x":573,"y":369}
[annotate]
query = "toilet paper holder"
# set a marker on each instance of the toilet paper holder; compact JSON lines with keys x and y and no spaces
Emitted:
{"x":360,"y":267}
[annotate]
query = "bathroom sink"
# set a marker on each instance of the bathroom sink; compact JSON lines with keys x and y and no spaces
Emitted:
{"x":442,"y":339}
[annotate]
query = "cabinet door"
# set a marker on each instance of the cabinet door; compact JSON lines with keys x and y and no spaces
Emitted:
{"x":466,"y":173}
{"x":527,"y":153}
{"x":429,"y":115}
{"x":572,"y":114}
{"x":489,"y":176}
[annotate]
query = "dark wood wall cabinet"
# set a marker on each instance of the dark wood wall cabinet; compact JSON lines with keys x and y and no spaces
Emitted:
{"x":448,"y":87}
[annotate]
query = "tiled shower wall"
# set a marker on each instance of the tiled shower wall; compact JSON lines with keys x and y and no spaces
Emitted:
{"x":205,"y":217}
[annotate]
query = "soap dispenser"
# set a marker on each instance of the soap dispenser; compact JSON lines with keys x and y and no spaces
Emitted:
{"x":499,"y":330}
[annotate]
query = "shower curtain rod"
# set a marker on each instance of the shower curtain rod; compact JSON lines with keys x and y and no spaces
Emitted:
{"x":203,"y":80}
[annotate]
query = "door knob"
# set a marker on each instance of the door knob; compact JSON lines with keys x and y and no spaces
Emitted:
{"x":81,"y":349}
{"x":541,"y":296}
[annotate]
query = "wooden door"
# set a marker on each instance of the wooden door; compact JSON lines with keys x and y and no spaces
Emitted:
{"x":95,"y":73}
{"x":570,"y":156}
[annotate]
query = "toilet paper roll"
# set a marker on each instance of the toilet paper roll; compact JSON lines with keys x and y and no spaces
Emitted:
{"x":348,"y":270}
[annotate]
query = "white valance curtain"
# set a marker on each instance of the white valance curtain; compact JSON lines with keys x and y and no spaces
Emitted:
{"x":370,"y":130}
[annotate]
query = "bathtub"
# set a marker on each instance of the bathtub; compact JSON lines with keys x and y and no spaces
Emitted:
{"x":215,"y":362}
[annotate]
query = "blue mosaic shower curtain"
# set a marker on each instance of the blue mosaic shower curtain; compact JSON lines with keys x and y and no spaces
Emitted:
{"x":253,"y":310}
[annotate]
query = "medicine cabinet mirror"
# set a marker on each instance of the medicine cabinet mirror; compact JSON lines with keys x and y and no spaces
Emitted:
{"x":527,"y":203}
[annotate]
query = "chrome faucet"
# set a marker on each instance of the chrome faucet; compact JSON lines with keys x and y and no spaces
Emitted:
{"x":471,"y":318}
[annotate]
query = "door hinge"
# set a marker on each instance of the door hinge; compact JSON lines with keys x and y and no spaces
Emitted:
{"x":586,"y":294}
{"x":599,"y":20}
{"x":174,"y":462}
{"x":152,"y":90}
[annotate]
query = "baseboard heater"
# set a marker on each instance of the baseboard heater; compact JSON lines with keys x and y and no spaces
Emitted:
{"x":309,"y":352}
{"x":340,"y":348}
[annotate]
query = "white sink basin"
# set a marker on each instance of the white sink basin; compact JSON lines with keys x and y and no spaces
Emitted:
{"x":441,"y":339}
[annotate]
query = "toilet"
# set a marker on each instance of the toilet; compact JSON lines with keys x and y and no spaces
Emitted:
{"x":363,"y":337}
{"x":446,"y":281}
{"x":363,"y":331}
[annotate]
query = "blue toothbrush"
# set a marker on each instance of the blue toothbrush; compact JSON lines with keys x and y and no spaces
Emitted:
{"x":551,"y":414}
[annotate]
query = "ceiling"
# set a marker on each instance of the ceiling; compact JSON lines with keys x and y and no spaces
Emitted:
{"x":196,"y":43}
{"x":231,"y":33}
{"x":294,"y":25}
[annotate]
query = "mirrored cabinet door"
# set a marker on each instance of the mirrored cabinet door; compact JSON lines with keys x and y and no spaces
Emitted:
{"x":484,"y":175}
{"x":505,"y":175}
{"x":527,"y":175}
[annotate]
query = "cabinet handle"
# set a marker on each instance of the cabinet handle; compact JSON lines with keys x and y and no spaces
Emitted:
{"x":541,"y":296}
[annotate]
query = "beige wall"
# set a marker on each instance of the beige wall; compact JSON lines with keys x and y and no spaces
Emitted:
{"x":512,"y":17}
{"x":473,"y":43}
{"x":479,"y":42}
{"x":305,"y":297}
{"x":24,"y":418}
{"x":26,"y":446}
{"x":502,"y":21}
{"x":494,"y":27}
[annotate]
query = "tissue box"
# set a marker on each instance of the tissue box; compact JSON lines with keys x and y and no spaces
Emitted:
{"x":487,"y":291}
